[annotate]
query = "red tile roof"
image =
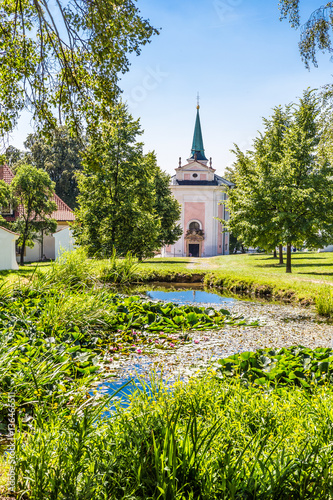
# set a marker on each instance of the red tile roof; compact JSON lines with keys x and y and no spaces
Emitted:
{"x":63,"y":212}
{"x":6,"y":174}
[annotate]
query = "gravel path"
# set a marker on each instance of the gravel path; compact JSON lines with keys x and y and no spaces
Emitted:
{"x":282,"y":326}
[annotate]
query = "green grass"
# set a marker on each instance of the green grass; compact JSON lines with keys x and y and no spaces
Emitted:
{"x":251,"y":274}
{"x":260,"y":274}
{"x":209,"y":439}
{"x":224,"y":435}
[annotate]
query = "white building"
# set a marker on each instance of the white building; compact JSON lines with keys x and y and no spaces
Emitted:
{"x":7,"y":249}
{"x":200,"y":192}
{"x":46,"y":246}
{"x":63,"y":241}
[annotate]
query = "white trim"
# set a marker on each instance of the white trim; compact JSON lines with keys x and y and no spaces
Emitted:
{"x":194,"y":220}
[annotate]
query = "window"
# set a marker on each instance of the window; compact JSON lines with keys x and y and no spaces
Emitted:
{"x":194,"y":226}
{"x":195,"y":175}
{"x":6,"y":210}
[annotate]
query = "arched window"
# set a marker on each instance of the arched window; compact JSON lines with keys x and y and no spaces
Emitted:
{"x":194,"y":226}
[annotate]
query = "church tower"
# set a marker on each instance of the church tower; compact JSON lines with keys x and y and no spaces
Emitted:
{"x":201,"y":193}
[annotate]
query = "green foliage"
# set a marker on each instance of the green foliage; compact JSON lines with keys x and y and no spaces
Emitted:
{"x":59,"y":156}
{"x":32,"y":189}
{"x":168,"y":210}
{"x":5,"y":197}
{"x":207,"y":440}
{"x":124,"y":200}
{"x":298,"y":366}
{"x":116,"y":270}
{"x":284,"y":187}
{"x":72,"y":268}
{"x":324,"y":302}
{"x":67,"y":57}
{"x":315,"y":33}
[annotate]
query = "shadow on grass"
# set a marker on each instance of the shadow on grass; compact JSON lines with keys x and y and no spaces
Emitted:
{"x":23,"y":270}
{"x":294,"y":264}
{"x":166,"y":262}
{"x":294,"y":257}
{"x":318,"y":274}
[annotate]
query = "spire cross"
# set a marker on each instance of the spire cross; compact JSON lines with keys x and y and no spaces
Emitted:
{"x":198,"y":99}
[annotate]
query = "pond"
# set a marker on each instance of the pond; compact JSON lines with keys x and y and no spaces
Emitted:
{"x":183,"y":297}
{"x":182,"y":294}
{"x":175,"y":293}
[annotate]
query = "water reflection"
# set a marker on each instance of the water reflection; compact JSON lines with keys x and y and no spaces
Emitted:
{"x":183,"y":297}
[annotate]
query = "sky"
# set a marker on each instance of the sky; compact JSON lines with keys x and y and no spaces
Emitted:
{"x":237,"y":54}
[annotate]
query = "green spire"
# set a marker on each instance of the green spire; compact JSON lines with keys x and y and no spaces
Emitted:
{"x":197,"y":145}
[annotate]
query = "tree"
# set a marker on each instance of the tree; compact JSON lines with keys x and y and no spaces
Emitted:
{"x":59,"y":156}
{"x":284,"y":189}
{"x":253,"y":201}
{"x":66,"y":56}
{"x":167,"y":208}
{"x":124,"y":202}
{"x":315,"y":33}
{"x":4,"y":197}
{"x":32,"y":189}
{"x":13,"y":156}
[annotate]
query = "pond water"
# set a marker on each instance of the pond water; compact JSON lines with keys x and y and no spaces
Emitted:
{"x":182,"y":294}
{"x":183,"y":297}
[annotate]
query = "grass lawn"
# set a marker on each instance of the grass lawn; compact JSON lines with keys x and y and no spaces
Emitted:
{"x":259,"y":274}
{"x":256,"y":274}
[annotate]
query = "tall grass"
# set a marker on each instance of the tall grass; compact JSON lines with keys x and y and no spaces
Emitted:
{"x":205,"y":440}
{"x":324,"y":302}
{"x":116,"y":270}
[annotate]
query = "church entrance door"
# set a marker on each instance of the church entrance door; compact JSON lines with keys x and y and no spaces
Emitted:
{"x":193,"y":250}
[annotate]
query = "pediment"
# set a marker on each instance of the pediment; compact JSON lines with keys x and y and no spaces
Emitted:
{"x":195,"y":166}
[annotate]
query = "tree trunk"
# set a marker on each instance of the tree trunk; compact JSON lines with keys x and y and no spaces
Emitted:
{"x":22,"y":252}
{"x":275,"y":254}
{"x":288,"y":267}
{"x":42,"y":246}
{"x":281,"y":254}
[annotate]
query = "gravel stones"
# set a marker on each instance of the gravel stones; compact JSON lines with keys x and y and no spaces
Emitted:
{"x":281,"y":326}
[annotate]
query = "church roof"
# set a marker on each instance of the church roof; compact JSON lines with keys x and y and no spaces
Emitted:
{"x":197,"y":150}
{"x":218,"y":181}
{"x":63,"y":212}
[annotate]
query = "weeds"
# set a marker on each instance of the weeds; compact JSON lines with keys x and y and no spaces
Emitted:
{"x":324,"y":302}
{"x":204,"y":440}
{"x":120,"y":271}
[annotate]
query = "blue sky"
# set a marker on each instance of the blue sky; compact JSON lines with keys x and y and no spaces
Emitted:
{"x":236,"y":53}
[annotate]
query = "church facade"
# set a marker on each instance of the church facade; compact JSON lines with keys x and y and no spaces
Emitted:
{"x":201,"y":193}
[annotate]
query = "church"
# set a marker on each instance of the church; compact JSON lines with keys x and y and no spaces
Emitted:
{"x":201,"y":193}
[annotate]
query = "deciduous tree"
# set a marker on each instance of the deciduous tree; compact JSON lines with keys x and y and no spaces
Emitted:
{"x":124,"y":202}
{"x":65,"y":56}
{"x":284,"y":189}
{"x":59,"y":156}
{"x":32,"y":189}
{"x":315,"y":32}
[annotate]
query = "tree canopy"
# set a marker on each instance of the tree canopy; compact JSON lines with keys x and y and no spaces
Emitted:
{"x":315,"y":33}
{"x":284,"y":187}
{"x":65,"y":56}
{"x":59,"y":156}
{"x":124,"y":201}
{"x":32,"y":190}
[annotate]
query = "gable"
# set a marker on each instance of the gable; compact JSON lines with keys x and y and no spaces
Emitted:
{"x":195,"y":166}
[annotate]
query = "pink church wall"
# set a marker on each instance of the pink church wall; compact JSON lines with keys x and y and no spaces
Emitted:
{"x":219,"y":228}
{"x":203,"y":177}
{"x":187,"y":177}
{"x":194,"y":210}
